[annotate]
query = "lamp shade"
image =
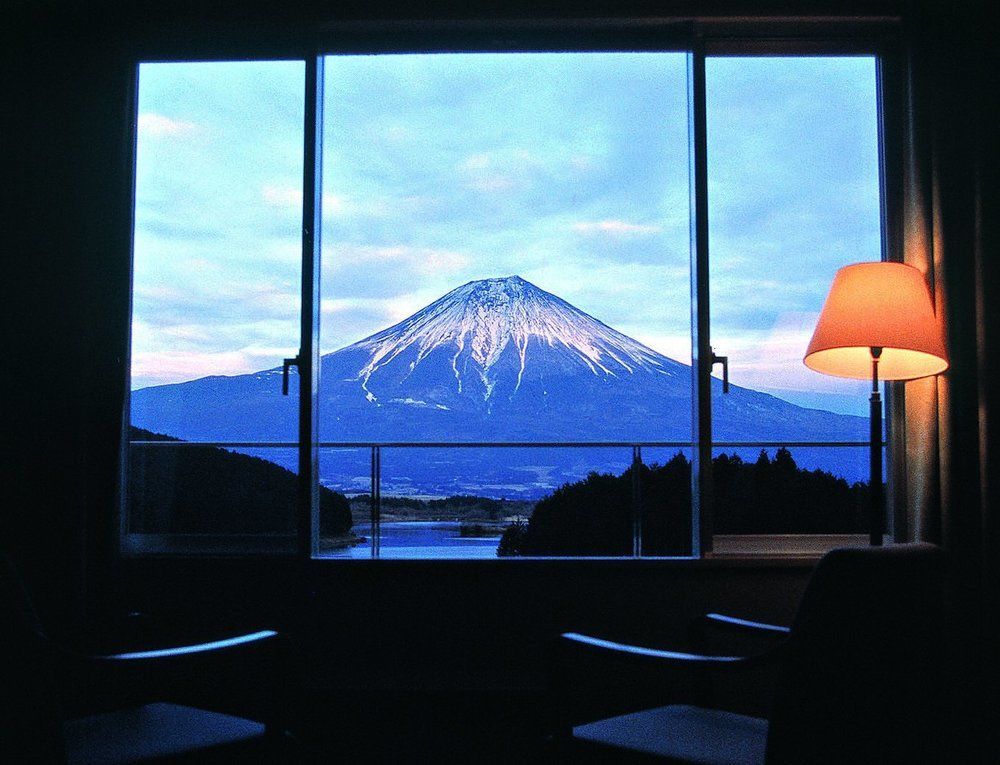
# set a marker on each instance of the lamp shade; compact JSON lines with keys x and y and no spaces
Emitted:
{"x":881,"y":305}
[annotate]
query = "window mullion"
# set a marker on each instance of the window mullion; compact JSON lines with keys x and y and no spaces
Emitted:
{"x":308,"y":359}
{"x":701,"y":352}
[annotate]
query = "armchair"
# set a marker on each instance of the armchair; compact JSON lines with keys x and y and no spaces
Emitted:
{"x":859,"y":675}
{"x":133,"y":717}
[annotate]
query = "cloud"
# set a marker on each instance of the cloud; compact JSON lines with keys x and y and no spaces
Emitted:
{"x":492,"y":182}
{"x":161,"y":367}
{"x":288,"y":196}
{"x":157,"y":125}
{"x":476,"y":162}
{"x":423,"y":260}
{"x":674,"y":346}
{"x":616,"y":228}
{"x":506,"y":170}
{"x":390,"y":310}
{"x":282,"y":196}
{"x":772,"y":358}
{"x":157,"y":292}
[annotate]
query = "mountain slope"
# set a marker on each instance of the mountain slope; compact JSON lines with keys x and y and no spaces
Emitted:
{"x":503,"y":359}
{"x":203,"y":490}
{"x":492,"y":360}
{"x":487,"y":329}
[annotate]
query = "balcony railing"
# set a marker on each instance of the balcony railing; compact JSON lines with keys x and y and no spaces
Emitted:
{"x":375,"y":452}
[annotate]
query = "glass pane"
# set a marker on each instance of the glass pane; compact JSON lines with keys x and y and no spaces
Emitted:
{"x":793,"y":196}
{"x":793,"y":490}
{"x":216,"y":273}
{"x":215,"y":303}
{"x":473,"y":502}
{"x":345,"y":503}
{"x":505,"y":255}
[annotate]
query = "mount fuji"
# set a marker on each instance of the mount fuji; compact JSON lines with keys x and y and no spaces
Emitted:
{"x":494,"y":360}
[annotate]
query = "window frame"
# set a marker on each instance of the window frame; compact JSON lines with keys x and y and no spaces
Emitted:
{"x":700,"y":39}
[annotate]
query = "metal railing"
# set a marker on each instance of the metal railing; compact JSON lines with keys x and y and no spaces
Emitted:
{"x":375,"y":462}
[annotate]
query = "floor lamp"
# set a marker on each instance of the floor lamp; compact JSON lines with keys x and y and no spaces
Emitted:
{"x":877,"y":321}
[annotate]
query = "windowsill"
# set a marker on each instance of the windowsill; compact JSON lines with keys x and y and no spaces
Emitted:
{"x":710,"y":560}
{"x":782,"y":545}
{"x":207,"y":545}
{"x":749,"y":550}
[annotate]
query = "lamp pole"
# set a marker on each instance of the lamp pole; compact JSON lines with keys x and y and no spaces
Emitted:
{"x":875,"y":522}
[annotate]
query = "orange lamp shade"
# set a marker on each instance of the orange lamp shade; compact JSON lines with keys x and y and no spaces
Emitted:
{"x":880,"y":305}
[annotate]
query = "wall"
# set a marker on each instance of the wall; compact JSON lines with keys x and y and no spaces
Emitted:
{"x":67,"y":203}
{"x":65,"y":246}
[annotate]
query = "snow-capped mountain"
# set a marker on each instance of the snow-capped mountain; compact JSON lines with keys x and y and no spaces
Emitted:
{"x":495,"y":360}
{"x":489,"y":327}
{"x":495,"y":350}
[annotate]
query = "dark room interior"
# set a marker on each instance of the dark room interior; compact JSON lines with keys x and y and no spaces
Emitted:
{"x":458,"y":660}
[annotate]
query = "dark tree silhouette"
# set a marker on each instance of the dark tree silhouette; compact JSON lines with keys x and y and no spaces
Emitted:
{"x":207,"y":490}
{"x":594,"y":516}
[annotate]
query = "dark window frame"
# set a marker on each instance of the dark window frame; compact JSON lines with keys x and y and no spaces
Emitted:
{"x":700,"y":39}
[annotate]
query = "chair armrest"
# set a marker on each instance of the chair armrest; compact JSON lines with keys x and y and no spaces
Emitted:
{"x":252,"y":643}
{"x":174,"y":673}
{"x":742,"y":626}
{"x":698,"y":667}
{"x":668,"y":659}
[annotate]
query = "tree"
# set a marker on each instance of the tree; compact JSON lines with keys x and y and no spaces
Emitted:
{"x":594,"y":516}
{"x":207,"y":490}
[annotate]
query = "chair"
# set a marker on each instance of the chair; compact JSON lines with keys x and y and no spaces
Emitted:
{"x":136,"y":722}
{"x":859,"y":675}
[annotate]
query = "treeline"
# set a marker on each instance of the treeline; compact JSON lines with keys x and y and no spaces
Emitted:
{"x":208,"y":490}
{"x":485,"y":508}
{"x":594,"y":516}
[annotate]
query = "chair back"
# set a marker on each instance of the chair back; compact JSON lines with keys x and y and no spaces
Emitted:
{"x":30,"y":719}
{"x":863,"y":680}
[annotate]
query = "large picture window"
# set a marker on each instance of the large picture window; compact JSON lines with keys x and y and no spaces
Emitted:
{"x":503,"y":315}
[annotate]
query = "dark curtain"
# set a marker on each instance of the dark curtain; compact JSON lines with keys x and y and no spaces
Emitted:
{"x":949,"y":231}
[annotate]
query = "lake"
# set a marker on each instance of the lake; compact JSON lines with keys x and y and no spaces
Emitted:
{"x":420,"y":539}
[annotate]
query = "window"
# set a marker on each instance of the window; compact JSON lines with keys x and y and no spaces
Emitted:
{"x":505,"y":245}
{"x":793,"y":176}
{"x":502,"y":327}
{"x":216,"y":297}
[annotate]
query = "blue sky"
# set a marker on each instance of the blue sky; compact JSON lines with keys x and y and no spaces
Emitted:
{"x":570,"y":170}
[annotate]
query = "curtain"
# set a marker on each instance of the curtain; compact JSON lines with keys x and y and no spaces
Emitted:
{"x":949,"y":232}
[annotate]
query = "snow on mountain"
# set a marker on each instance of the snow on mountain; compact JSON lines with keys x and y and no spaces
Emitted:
{"x":479,"y":321}
{"x":505,"y":350}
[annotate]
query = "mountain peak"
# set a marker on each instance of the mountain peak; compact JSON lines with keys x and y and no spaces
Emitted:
{"x":503,"y":287}
{"x":485,"y":320}
{"x":504,"y":281}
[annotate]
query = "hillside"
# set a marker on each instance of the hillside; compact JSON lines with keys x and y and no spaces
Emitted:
{"x":594,"y":516}
{"x":206,"y":490}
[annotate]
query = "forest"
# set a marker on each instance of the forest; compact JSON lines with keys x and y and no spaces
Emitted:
{"x":208,"y":490}
{"x":769,"y":496}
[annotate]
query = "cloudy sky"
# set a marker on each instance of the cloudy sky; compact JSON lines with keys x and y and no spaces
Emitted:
{"x":570,"y":170}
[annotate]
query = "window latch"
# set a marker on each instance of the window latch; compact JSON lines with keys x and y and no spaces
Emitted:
{"x":284,"y":373}
{"x":724,"y":360}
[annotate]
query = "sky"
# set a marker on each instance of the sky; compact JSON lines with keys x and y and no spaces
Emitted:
{"x":570,"y":170}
